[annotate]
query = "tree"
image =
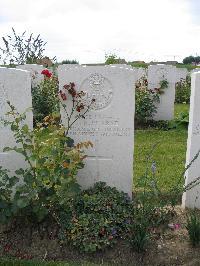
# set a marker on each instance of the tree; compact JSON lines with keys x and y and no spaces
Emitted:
{"x":191,"y":60}
{"x":69,"y":62}
{"x":21,"y":49}
{"x":114,"y":59}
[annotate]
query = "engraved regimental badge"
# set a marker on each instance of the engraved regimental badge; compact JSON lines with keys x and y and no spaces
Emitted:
{"x":99,"y":88}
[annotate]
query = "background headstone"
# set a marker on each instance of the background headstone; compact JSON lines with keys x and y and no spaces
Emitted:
{"x":191,"y":198}
{"x":109,"y":125}
{"x":15,"y":86}
{"x":181,"y":73}
{"x":157,"y":73}
{"x":140,"y":72}
{"x":35,"y":72}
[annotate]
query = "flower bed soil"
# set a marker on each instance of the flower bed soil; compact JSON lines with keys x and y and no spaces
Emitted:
{"x":167,"y":247}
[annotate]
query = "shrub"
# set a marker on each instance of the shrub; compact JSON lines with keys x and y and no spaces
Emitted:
{"x":50,"y":179}
{"x":146,"y":100}
{"x":101,"y":214}
{"x":45,"y":97}
{"x":183,"y":90}
{"x":52,"y":160}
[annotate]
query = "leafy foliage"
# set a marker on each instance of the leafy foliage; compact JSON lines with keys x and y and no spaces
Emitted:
{"x":112,"y":59}
{"x":139,"y":64}
{"x":45,"y":98}
{"x":52,"y":165}
{"x":181,"y":121}
{"x":21,"y":49}
{"x":191,"y":60}
{"x":101,"y":214}
{"x":193,"y":228}
{"x":183,"y":90}
{"x":145,"y":106}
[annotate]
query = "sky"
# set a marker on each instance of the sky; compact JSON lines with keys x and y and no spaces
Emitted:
{"x":87,"y":30}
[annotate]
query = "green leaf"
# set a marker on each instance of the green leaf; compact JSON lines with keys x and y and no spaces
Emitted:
{"x":25,"y":129}
{"x":14,"y":127}
{"x":22,"y":202}
{"x":7,"y":149}
{"x":20,"y":171}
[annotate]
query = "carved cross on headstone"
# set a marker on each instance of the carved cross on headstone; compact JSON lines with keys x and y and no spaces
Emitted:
{"x":97,"y":158}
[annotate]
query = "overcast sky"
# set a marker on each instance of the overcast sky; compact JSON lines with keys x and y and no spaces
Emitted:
{"x":86,"y":30}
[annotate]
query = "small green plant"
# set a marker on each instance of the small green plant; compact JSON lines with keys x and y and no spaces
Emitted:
{"x":193,"y":228}
{"x":101,"y":215}
{"x":181,"y":121}
{"x":139,"y":233}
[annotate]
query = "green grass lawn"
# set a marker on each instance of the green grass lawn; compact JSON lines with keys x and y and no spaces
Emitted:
{"x":179,"y":108}
{"x":169,"y":155}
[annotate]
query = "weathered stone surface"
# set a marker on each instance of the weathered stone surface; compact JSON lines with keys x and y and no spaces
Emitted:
{"x":35,"y":72}
{"x":181,"y":73}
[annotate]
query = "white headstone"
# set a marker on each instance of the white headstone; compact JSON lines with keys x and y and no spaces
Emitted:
{"x":35,"y":72}
{"x":157,"y":73}
{"x":140,"y":72}
{"x":109,"y":125}
{"x":195,"y":70}
{"x":191,"y":198}
{"x":181,"y":73}
{"x":15,"y":86}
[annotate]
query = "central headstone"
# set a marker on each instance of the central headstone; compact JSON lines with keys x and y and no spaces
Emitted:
{"x":109,"y":125}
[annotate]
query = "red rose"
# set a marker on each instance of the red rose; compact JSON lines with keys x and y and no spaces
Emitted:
{"x":46,"y":73}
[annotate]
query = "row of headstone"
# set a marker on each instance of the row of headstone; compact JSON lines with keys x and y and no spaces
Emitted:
{"x":110,"y":123}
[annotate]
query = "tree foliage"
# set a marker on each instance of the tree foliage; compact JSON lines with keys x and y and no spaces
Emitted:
{"x":21,"y":48}
{"x":191,"y":60}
